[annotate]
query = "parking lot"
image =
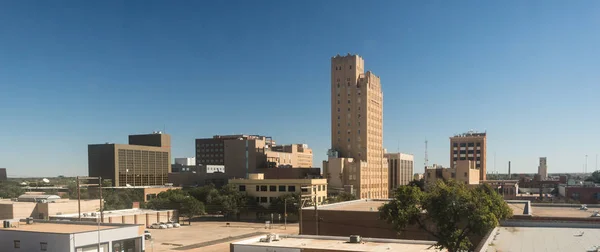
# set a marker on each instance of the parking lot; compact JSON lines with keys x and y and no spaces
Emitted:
{"x":210,"y":236}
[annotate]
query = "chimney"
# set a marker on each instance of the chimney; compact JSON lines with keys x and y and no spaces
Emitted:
{"x":509,"y":177}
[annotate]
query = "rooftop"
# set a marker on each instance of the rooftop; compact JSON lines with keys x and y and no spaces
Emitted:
{"x":364,"y":205}
{"x":58,"y":227}
{"x":337,"y":243}
{"x":527,"y":239}
{"x":123,"y":212}
{"x":571,"y":211}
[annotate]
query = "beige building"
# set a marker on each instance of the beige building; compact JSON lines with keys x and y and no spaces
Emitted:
{"x":356,"y":156}
{"x":469,"y":146}
{"x":543,"y":169}
{"x":464,"y":171}
{"x":239,"y":155}
{"x":418,"y":176}
{"x":145,"y":161}
{"x":42,"y":210}
{"x":400,"y":169}
{"x":267,"y":190}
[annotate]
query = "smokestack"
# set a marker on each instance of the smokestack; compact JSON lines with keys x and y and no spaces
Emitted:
{"x":509,"y":177}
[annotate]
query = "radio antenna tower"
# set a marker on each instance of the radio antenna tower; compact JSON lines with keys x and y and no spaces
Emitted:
{"x":426,"y":157}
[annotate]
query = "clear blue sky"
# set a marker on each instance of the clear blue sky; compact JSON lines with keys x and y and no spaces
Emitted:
{"x":74,"y":73}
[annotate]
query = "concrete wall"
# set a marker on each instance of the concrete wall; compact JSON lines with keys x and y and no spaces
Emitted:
{"x":69,"y":207}
{"x":30,"y":241}
{"x":108,"y":235}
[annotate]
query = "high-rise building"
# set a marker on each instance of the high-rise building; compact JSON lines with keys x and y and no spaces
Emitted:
{"x":356,"y":161}
{"x":3,"y":176}
{"x":225,"y":157}
{"x":145,"y":161}
{"x":400,"y":169}
{"x":543,"y":169}
{"x":469,"y":146}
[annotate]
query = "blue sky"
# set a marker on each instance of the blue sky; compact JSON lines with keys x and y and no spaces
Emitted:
{"x":74,"y":73}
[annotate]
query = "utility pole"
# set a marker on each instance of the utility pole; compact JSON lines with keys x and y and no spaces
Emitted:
{"x":78,"y":200}
{"x":285,"y":214}
{"x":316,"y":216}
{"x":101,"y":201}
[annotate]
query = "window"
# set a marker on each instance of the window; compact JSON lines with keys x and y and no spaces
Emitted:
{"x":291,"y":188}
{"x":43,"y":246}
{"x":272,"y":188}
{"x":271,"y":199}
{"x":304,"y":190}
{"x":257,"y":188}
{"x":575,"y":195}
{"x":282,"y":188}
{"x":263,"y":199}
{"x":17,"y":243}
{"x":242,"y":188}
{"x":465,"y":174}
{"x":350,"y":66}
{"x":257,"y":199}
{"x":348,"y":101}
{"x":263,"y":188}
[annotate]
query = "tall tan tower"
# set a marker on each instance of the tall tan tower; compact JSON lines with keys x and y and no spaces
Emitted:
{"x":356,"y":155}
{"x":469,"y":146}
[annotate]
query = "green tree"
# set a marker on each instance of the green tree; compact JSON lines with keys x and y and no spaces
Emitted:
{"x":232,"y":201}
{"x":179,"y":200}
{"x":10,"y":189}
{"x":595,"y":177}
{"x":209,"y":195}
{"x":418,"y":183}
{"x":449,"y":211}
{"x":288,"y":201}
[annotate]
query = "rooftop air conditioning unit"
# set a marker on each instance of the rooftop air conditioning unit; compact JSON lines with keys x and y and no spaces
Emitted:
{"x":355,"y":239}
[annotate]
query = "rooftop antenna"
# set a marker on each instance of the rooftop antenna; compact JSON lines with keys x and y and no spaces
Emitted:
{"x":495,"y":170}
{"x":426,"y":157}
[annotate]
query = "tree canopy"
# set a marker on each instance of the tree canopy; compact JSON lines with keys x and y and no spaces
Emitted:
{"x":288,"y":201}
{"x":179,"y":200}
{"x":10,"y":189}
{"x":595,"y":177}
{"x":343,"y":196}
{"x":449,"y":211}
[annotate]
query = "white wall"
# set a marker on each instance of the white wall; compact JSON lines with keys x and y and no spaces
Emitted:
{"x":30,"y":241}
{"x":255,"y":248}
{"x":107,"y":235}
{"x":186,"y":161}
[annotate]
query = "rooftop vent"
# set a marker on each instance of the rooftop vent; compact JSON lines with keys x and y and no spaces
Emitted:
{"x":270,"y":238}
{"x":355,"y":239}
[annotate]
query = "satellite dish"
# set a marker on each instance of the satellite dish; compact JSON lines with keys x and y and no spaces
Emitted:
{"x":46,"y":180}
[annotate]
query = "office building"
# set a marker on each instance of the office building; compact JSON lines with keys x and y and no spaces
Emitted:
{"x":400,"y":169}
{"x":145,"y":161}
{"x":3,"y":176}
{"x":355,"y":161}
{"x":187,"y":161}
{"x":311,"y":243}
{"x":543,"y":169}
{"x":65,"y":236}
{"x":224,"y":157}
{"x":469,"y":146}
{"x":464,"y":171}
{"x":187,"y":164}
{"x":267,"y":190}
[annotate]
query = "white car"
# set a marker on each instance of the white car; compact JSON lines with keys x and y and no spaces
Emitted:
{"x":158,"y":226}
{"x":168,"y":225}
{"x":175,"y":224}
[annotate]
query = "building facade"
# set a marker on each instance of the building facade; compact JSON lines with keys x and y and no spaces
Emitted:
{"x":266,"y":191}
{"x":400,"y":169}
{"x":464,"y":171}
{"x":236,"y":156}
{"x":3,"y":176}
{"x":543,"y":169}
{"x":132,"y":164}
{"x":66,"y":236}
{"x":186,"y":161}
{"x":356,"y":159}
{"x":469,"y":146}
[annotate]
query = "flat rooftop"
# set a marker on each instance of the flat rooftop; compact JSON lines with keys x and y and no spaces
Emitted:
{"x":337,"y":243}
{"x":526,"y":239}
{"x":109,"y":213}
{"x":364,"y":205}
{"x":57,"y":228}
{"x":565,"y":211}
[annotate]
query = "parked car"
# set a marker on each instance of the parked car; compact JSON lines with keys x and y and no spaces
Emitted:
{"x":175,"y":224}
{"x":167,"y":224}
{"x":158,"y":226}
{"x":147,"y":235}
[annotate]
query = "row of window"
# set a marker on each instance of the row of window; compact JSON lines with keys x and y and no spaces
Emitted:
{"x":465,"y":152}
{"x":210,"y":145}
{"x":212,"y":155}
{"x":210,"y":150}
{"x":279,"y":188}
{"x":210,"y":161}
{"x":43,"y":245}
{"x":272,"y":199}
{"x":466,"y":144}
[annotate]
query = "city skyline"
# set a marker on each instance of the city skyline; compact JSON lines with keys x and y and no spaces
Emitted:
{"x":78,"y":73}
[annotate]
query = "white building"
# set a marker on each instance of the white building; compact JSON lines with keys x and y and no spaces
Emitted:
{"x":187,"y":161}
{"x":400,"y":169}
{"x":65,"y":236}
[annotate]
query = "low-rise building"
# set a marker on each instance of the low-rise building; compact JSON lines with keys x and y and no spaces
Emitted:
{"x":584,"y":193}
{"x":67,"y":236}
{"x":145,"y":217}
{"x":10,"y":209}
{"x":266,"y":190}
{"x":509,"y":189}
{"x":312,"y":243}
{"x":464,"y":171}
